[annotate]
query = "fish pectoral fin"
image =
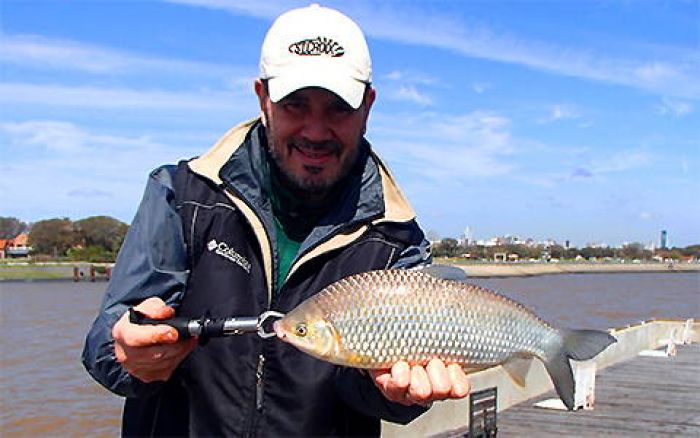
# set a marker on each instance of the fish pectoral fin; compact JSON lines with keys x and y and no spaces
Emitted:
{"x":468,"y":369}
{"x":517,"y":369}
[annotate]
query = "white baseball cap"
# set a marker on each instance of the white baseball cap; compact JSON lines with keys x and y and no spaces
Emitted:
{"x":316,"y":47}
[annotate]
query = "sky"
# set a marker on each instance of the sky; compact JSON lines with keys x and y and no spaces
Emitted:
{"x":560,"y":119}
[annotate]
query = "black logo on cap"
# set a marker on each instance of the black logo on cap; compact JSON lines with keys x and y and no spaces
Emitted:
{"x":317,"y":47}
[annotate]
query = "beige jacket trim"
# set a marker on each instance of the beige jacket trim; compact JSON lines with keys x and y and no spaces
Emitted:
{"x":209,"y":165}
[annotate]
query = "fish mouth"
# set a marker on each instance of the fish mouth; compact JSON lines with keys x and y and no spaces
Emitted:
{"x":279,"y":330}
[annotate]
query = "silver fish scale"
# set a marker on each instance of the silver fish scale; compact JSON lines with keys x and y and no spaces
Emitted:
{"x":385,"y":316}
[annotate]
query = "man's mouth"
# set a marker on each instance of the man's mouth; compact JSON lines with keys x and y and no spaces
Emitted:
{"x":315,"y":154}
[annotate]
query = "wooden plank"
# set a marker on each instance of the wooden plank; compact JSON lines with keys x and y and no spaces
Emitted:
{"x":644,"y":396}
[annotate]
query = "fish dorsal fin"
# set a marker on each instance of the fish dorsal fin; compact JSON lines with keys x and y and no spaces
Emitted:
{"x":445,"y":272}
{"x":517,"y":369}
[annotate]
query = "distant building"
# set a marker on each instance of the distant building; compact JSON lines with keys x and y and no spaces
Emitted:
{"x":17,"y":247}
{"x":663,"y":243}
{"x":597,"y":245}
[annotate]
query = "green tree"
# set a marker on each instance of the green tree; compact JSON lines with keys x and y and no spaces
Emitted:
{"x":448,"y":247}
{"x":101,"y":231}
{"x":557,"y":251}
{"x":633,"y":251}
{"x":11,"y":226}
{"x":53,"y":236}
{"x":692,"y":250}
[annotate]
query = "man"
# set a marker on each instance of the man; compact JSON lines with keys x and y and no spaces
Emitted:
{"x":279,"y":208}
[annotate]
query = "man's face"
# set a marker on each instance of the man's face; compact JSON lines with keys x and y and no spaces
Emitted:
{"x":313,"y":136}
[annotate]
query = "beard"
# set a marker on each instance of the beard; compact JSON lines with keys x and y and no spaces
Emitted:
{"x":311,"y":182}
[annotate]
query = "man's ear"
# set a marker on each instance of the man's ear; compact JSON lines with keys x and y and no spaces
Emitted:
{"x":370,"y":96}
{"x":263,"y":99}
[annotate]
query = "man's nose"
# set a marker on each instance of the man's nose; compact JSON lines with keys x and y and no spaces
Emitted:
{"x":316,"y":129}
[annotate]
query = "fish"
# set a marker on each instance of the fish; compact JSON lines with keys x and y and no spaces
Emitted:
{"x":374,"y":319}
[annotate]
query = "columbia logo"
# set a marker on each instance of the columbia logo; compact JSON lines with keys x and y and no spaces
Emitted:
{"x":317,"y":47}
{"x":225,"y":251}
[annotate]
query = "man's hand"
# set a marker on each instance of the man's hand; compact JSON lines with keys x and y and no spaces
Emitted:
{"x":418,"y":385}
{"x":150,"y":352}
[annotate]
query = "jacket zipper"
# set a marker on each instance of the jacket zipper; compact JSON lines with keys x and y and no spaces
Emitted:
{"x":259,"y":383}
{"x":259,"y":371}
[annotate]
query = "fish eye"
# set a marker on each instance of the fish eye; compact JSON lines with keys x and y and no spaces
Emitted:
{"x":300,"y":330}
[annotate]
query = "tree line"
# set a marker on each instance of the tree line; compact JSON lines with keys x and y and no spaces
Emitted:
{"x":450,"y":247}
{"x":95,"y":238}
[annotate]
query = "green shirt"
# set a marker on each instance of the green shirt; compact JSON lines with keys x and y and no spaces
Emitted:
{"x":287,"y":249}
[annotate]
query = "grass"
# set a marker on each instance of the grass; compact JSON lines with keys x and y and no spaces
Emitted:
{"x":31,"y":272}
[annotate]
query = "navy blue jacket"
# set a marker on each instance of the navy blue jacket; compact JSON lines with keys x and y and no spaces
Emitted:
{"x":203,"y":240}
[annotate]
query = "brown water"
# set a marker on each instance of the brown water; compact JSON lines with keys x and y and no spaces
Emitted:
{"x":604,"y":301}
{"x":44,"y":390}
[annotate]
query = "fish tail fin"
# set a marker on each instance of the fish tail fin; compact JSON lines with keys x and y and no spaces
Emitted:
{"x":576,"y":345}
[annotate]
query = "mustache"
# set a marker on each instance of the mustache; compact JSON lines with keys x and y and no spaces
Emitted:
{"x":331,"y":146}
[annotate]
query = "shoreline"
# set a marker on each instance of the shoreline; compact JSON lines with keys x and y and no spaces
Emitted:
{"x":532,"y":269}
{"x":64,"y":271}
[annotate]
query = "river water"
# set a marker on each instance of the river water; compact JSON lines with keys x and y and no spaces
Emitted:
{"x":44,"y":390}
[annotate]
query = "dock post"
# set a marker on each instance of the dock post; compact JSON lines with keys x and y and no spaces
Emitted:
{"x":584,"y":391}
{"x":483,"y":411}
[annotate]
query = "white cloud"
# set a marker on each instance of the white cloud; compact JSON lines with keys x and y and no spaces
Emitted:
{"x":674,"y":76}
{"x":37,"y":51}
{"x":622,"y":161}
{"x":674,"y":107}
{"x":61,"y":164}
{"x":410,"y":77}
{"x":409,"y":93}
{"x":407,"y":86}
{"x":445,"y":148}
{"x":67,"y":139}
{"x":560,"y":112}
{"x":120,"y":98}
{"x":480,"y":87}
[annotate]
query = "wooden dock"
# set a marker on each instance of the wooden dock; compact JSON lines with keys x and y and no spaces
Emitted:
{"x":641,"y":397}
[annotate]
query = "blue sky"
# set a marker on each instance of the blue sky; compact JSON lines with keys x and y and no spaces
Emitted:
{"x":552,"y":119}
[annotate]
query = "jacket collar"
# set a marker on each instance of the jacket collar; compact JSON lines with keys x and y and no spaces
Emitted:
{"x":234,"y":164}
{"x":236,"y":160}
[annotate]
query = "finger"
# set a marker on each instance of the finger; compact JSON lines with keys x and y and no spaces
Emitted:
{"x":162,"y":355}
{"x":401,"y":375}
{"x":396,"y":387}
{"x":380,"y":377}
{"x":156,"y":363}
{"x":460,"y":382}
{"x":393,"y":383}
{"x":133,"y":335}
{"x":439,"y":379}
{"x":155,"y":308}
{"x":420,"y":389}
